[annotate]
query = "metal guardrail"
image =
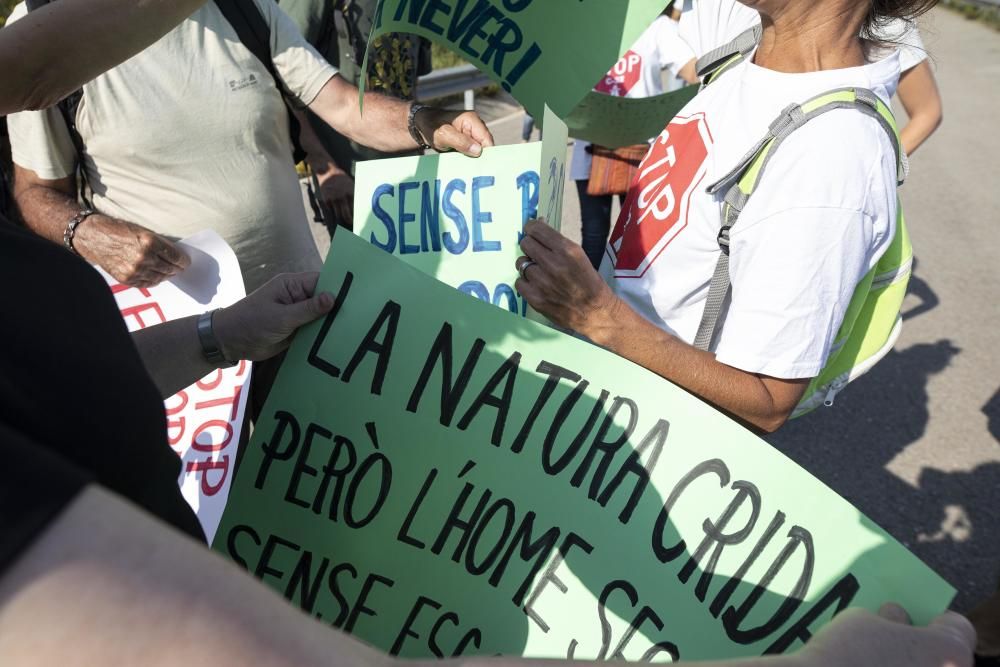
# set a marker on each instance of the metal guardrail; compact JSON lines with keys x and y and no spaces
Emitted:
{"x":452,"y":81}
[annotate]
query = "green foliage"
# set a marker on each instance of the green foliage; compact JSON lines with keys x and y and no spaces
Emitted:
{"x":6,"y":7}
{"x":974,"y":11}
{"x":443,"y":57}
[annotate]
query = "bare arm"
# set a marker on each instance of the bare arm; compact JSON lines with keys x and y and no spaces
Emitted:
{"x":132,"y":254}
{"x":255,"y":328}
{"x":690,"y":71}
{"x":105,"y":569}
{"x":172,"y":354}
{"x":384,"y":127}
{"x":564,"y":287}
{"x":45,"y":205}
{"x":919,"y":94}
{"x":763,"y":403}
{"x":36,"y":75}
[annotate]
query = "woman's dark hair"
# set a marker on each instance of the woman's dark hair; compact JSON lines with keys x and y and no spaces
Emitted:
{"x":883,"y":12}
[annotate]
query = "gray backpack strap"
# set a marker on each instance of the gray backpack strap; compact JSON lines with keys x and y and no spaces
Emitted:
{"x":738,"y":192}
{"x":718,"y":290}
{"x":718,"y":58}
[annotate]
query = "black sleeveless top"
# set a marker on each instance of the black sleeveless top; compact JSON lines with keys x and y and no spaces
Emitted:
{"x":76,"y":404}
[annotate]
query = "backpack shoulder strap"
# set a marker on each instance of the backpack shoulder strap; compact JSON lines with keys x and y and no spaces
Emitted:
{"x":252,"y":29}
{"x":723,"y":58}
{"x":67,"y":109}
{"x":255,"y":34}
{"x":743,"y":180}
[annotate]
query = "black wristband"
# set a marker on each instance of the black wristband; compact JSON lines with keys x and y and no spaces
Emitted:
{"x":209,"y":343}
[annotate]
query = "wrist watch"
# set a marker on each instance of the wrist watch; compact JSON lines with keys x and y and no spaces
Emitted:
{"x":70,"y":232}
{"x":411,"y":125}
{"x":209,"y":343}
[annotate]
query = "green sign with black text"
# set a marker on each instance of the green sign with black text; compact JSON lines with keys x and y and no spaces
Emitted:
{"x":540,"y":51}
{"x":441,"y":477}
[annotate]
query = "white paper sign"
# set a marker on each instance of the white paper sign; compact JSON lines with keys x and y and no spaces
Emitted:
{"x":205,"y":420}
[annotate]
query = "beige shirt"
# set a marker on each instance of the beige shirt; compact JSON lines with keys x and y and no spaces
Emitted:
{"x":192,"y":134}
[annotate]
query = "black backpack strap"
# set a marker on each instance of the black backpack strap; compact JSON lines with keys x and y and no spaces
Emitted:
{"x":67,"y":109}
{"x":6,"y":193}
{"x":255,"y":34}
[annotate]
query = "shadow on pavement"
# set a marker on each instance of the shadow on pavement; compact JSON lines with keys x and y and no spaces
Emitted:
{"x":992,"y":412}
{"x":950,"y":520}
{"x":919,"y":289}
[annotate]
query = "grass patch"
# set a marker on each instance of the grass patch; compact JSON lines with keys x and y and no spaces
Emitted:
{"x":442,"y":57}
{"x":973,"y":11}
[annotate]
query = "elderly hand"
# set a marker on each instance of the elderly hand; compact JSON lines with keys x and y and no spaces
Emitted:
{"x":336,"y":189}
{"x":263,"y":324}
{"x":858,"y":637}
{"x":462,"y":131}
{"x":132,"y":254}
{"x":559,"y":282}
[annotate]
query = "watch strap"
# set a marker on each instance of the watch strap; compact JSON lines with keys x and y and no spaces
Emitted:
{"x":209,"y":343}
{"x":411,"y":124}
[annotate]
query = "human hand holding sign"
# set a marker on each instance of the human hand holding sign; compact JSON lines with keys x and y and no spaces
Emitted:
{"x":384,"y":123}
{"x":559,"y":282}
{"x":262,"y":325}
{"x":255,"y":328}
{"x":858,"y":637}
{"x":461,"y":131}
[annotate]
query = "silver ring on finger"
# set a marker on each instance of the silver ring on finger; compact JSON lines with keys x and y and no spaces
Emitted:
{"x":524,"y":268}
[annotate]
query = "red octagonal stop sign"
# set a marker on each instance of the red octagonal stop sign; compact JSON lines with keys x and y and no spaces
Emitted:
{"x":658,"y":201}
{"x":621,"y":79}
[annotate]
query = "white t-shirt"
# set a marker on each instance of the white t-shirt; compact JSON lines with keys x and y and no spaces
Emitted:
{"x":707,"y":24}
{"x":821,"y":217}
{"x":192,"y":134}
{"x":906,"y":38}
{"x":637,"y":74}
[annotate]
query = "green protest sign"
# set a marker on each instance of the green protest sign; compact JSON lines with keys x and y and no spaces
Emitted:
{"x":614,"y":122}
{"x":540,"y":51}
{"x":553,"y":167}
{"x":460,"y":219}
{"x":455,"y":218}
{"x":442,"y":478}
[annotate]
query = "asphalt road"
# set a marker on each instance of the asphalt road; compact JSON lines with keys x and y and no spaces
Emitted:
{"x":916,"y":443}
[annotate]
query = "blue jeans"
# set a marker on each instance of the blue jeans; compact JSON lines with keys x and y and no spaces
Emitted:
{"x":595,"y":216}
